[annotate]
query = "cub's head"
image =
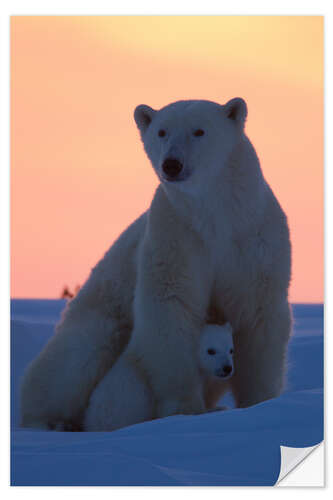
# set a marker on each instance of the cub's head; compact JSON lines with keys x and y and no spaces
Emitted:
{"x":188,"y":142}
{"x":216,"y":351}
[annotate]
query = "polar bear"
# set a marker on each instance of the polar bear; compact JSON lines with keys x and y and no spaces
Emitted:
{"x":124,"y":398}
{"x":213,"y":247}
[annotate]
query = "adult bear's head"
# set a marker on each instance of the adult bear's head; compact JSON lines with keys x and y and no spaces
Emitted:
{"x":189,"y":142}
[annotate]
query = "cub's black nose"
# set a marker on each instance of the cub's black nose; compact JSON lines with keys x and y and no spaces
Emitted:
{"x":227,"y":369}
{"x":172,"y":167}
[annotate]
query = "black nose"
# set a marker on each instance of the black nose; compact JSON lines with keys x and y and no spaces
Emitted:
{"x":227,"y":369}
{"x":172,"y":167}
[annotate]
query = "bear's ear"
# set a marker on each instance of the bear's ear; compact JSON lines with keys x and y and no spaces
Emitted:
{"x":143,"y":116}
{"x":236,"y":110}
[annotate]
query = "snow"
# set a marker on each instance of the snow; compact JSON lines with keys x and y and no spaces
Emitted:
{"x":236,"y":447}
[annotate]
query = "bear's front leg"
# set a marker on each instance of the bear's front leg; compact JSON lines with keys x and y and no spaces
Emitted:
{"x":260,"y":356}
{"x":163,"y":348}
{"x":169,"y":312}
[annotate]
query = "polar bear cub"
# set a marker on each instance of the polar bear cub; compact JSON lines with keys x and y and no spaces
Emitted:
{"x":123,"y":397}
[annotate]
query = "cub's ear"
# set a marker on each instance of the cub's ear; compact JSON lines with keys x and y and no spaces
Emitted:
{"x":143,"y":116}
{"x":236,"y":110}
{"x":229,"y":327}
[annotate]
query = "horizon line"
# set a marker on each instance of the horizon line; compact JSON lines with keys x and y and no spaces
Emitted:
{"x":59,"y":298}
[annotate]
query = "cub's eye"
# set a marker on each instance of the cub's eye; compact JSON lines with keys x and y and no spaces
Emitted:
{"x":231,"y":351}
{"x":199,"y":132}
{"x":211,"y":351}
{"x":161,"y":133}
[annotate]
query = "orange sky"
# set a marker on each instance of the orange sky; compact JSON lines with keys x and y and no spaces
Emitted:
{"x":79,"y":175}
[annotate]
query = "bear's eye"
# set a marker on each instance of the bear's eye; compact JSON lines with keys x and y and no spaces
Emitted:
{"x":231,"y":351}
{"x":199,"y":132}
{"x":211,"y":351}
{"x":161,"y":133}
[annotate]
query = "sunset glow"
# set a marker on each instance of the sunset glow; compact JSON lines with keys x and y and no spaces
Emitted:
{"x":79,"y":175}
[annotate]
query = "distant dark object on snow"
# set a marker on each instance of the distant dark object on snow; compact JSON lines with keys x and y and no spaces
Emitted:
{"x":67,"y":294}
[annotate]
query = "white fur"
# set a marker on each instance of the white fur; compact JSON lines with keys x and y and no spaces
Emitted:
{"x":216,"y":354}
{"x":213,"y":247}
{"x":123,"y":398}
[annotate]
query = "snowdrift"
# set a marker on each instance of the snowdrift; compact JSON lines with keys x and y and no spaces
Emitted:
{"x":239,"y":447}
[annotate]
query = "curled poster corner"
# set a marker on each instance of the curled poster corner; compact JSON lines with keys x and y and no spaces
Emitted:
{"x":292,"y":457}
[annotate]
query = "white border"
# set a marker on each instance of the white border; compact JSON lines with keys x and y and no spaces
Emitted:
{"x":126,"y":7}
